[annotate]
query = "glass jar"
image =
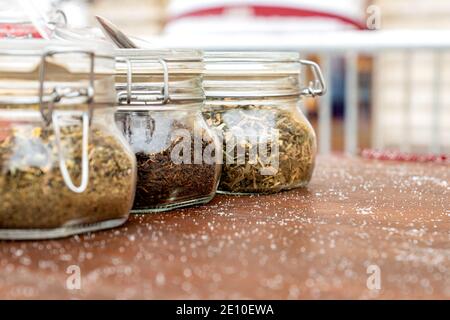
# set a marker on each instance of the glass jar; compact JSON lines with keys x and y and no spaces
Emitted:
{"x":160,"y":101}
{"x":63,"y":168}
{"x":252,"y":99}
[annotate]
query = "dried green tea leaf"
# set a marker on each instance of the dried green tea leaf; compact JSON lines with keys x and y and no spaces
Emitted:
{"x":33,"y":193}
{"x":250,"y":135}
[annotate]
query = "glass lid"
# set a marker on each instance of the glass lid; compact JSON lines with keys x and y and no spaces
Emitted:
{"x":148,"y":77}
{"x":258,"y":74}
{"x":251,"y":63}
{"x":26,"y":55}
{"x":37,"y":72}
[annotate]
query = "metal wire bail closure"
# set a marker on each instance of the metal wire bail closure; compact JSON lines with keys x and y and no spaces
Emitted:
{"x":132,"y":92}
{"x":84,"y":155}
{"x":318,"y":86}
{"x":50,"y":116}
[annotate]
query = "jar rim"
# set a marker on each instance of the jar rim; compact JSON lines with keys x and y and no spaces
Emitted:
{"x":32,"y":47}
{"x":262,"y":56}
{"x":185,"y":55}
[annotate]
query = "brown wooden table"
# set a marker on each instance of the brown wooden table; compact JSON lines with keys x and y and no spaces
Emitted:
{"x":313,"y":243}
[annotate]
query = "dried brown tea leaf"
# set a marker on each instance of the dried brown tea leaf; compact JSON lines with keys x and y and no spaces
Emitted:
{"x":162,"y":183}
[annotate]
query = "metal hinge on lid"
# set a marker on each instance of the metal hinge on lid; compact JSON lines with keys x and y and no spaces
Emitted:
{"x":317,"y":87}
{"x":140,"y":94}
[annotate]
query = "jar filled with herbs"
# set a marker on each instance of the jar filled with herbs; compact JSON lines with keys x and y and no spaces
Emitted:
{"x":63,"y":168}
{"x":253,"y":101}
{"x":160,"y":101}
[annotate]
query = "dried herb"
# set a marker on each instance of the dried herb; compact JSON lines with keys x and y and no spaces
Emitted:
{"x":33,"y":193}
{"x":162,"y":183}
{"x":294,"y":140}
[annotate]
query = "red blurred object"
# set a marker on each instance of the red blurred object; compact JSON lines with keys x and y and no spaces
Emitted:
{"x":270,"y":11}
{"x":403,"y":156}
{"x":5,"y":130}
{"x":12,"y":30}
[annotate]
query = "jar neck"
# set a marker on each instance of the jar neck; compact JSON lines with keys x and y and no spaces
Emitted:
{"x":273,"y":86}
{"x":177,"y":105}
{"x":285,"y":102}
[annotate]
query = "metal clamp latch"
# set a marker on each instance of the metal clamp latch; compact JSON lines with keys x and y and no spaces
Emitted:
{"x":142,"y":94}
{"x":317,"y":87}
{"x":46,"y":107}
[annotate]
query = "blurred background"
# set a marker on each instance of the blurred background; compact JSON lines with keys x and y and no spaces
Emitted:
{"x":387,"y":63}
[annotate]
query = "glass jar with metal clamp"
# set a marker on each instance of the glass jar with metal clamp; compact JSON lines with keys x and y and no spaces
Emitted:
{"x":160,"y":99}
{"x":253,"y":100}
{"x":63,"y":168}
